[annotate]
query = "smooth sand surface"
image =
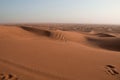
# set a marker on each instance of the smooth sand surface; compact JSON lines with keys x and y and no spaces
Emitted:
{"x":36,"y":54}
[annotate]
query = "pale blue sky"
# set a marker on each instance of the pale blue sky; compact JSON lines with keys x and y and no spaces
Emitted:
{"x":60,"y":11}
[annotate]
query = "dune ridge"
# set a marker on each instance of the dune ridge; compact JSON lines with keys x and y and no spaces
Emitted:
{"x":14,"y":32}
{"x":105,"y":40}
{"x":57,"y":34}
{"x":37,"y":31}
{"x":51,"y":34}
{"x":100,"y":40}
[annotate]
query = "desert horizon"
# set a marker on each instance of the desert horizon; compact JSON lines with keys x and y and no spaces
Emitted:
{"x":59,"y":39}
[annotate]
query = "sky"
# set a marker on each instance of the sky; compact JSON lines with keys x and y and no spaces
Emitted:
{"x":60,"y":11}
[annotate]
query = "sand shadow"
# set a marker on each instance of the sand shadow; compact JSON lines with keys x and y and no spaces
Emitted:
{"x":112,"y":71}
{"x":104,"y":35}
{"x":8,"y":77}
{"x":110,"y":44}
{"x":37,"y":31}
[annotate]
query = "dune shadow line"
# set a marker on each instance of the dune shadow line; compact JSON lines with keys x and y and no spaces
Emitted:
{"x":39,"y":73}
{"x":37,"y":31}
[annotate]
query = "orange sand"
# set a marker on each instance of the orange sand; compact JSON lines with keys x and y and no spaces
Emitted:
{"x":34,"y":54}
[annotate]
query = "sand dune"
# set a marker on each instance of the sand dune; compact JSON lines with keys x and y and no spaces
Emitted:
{"x":14,"y":33}
{"x":104,"y":35}
{"x":105,"y":43}
{"x":51,"y":34}
{"x":57,"y":34}
{"x":38,"y":54}
{"x":37,"y":31}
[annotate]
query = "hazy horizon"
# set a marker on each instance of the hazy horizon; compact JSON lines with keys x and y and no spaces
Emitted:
{"x":60,"y":11}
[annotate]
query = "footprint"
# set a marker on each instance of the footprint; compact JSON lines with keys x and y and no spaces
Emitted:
{"x":111,"y":70}
{"x":8,"y":77}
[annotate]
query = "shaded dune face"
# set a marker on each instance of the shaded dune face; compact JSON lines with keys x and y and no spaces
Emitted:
{"x":37,"y":31}
{"x":104,"y":35}
{"x":58,"y":35}
{"x":110,"y":44}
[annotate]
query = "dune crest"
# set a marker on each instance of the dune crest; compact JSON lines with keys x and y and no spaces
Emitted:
{"x":14,"y":32}
{"x":100,"y":40}
{"x":57,"y":34}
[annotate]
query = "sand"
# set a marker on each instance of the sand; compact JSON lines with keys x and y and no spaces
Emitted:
{"x":30,"y":53}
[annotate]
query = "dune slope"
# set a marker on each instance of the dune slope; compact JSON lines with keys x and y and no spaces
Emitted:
{"x":33,"y":54}
{"x":105,"y":41}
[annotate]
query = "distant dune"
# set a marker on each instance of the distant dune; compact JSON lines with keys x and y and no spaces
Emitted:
{"x":104,"y":35}
{"x":106,"y":43}
{"x":29,"y":53}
